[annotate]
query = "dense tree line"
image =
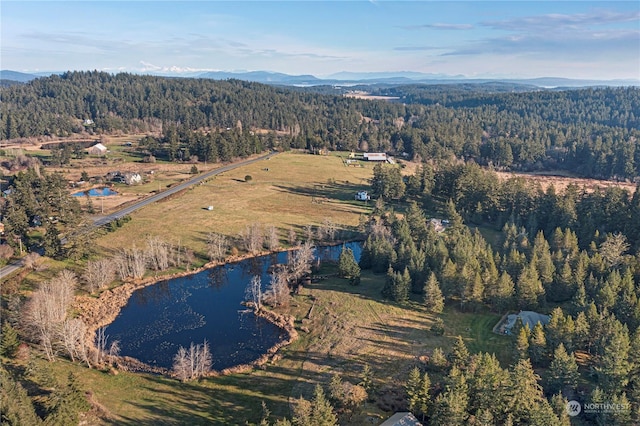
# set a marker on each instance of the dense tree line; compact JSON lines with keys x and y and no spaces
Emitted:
{"x":564,"y":253}
{"x":39,"y":199}
{"x":481,"y":197}
{"x":592,"y":132}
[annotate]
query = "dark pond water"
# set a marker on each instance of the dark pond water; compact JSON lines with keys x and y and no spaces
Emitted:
{"x":96,"y":192}
{"x":162,"y":317}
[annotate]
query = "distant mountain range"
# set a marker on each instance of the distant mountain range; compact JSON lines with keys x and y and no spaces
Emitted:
{"x":352,"y":78}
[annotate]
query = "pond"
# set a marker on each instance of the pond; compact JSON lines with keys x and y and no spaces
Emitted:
{"x":160,"y":318}
{"x":96,"y":192}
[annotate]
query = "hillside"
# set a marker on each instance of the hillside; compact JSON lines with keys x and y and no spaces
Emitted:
{"x":590,"y":132}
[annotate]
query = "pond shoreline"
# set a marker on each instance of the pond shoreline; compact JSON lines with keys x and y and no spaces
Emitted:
{"x":97,"y":312}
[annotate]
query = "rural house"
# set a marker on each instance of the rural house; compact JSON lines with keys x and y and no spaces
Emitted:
{"x":402,"y":419}
{"x":132,"y":178}
{"x":363,"y":196}
{"x":375,"y":156}
{"x":98,"y":149}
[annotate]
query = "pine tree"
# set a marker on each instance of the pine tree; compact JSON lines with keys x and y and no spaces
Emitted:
{"x":529,"y":288}
{"x":522,"y":343}
{"x":412,"y":388}
{"x":51,"y":241}
{"x":317,"y":412}
{"x":451,"y":405}
{"x":459,"y":354}
{"x":488,"y":385}
{"x":322,"y":413}
{"x":433,"y":299}
{"x":397,"y":285}
{"x":538,"y":346}
{"x":366,"y":379}
{"x":542,"y":259}
{"x":503,"y":298}
{"x":437,"y":360}
{"x":348,"y":267}
{"x":525,"y":392}
{"x":473,"y":292}
{"x":612,"y":364}
{"x":559,"y":405}
{"x":9,"y":341}
{"x":16,"y":407}
{"x":562,"y":375}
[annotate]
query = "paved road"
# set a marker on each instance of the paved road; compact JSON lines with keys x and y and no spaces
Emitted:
{"x":103,"y":220}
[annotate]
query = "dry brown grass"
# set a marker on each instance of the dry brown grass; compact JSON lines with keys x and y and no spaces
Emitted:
{"x":562,"y":182}
{"x":296,"y":190}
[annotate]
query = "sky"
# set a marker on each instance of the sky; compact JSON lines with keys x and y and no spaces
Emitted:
{"x":502,"y":39}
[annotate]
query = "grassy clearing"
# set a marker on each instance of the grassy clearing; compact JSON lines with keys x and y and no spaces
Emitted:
{"x":290,"y":190}
{"x":348,"y":328}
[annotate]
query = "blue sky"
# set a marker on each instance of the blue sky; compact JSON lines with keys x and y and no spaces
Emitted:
{"x":575,"y":39}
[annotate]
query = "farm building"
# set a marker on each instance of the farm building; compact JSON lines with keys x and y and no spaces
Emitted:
{"x":375,"y":156}
{"x":98,"y":149}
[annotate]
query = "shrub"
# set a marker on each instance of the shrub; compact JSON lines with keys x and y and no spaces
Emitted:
{"x":248,"y":178}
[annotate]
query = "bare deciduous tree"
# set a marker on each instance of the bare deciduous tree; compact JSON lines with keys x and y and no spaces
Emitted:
{"x":217,"y":246}
{"x":328,"y":230}
{"x":6,"y":251}
{"x":253,"y":238}
{"x":46,"y":311}
{"x":613,"y":248}
{"x":101,"y":354}
{"x":309,"y":233}
{"x":99,"y":273}
{"x":158,"y":253}
{"x":32,"y":261}
{"x":72,"y":334}
{"x":272,"y":239}
{"x":379,"y":230}
{"x":292,"y":237}
{"x":300,"y":261}
{"x":253,"y":292}
{"x":131,"y":263}
{"x":278,"y":292}
{"x":192,"y":363}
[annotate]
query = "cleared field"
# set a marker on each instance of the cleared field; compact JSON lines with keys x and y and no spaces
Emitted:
{"x":290,"y":190}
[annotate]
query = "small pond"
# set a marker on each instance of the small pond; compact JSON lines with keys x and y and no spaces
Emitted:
{"x":160,"y":318}
{"x":96,"y":192}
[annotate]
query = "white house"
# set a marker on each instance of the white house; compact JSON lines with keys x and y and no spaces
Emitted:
{"x":375,"y":156}
{"x":132,"y":178}
{"x":98,"y":149}
{"x":363,"y":196}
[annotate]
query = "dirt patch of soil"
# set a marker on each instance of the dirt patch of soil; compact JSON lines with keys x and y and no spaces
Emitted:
{"x":562,"y":182}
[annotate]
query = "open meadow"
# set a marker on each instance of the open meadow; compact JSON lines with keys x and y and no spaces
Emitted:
{"x":342,"y":328}
{"x":289,"y":191}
